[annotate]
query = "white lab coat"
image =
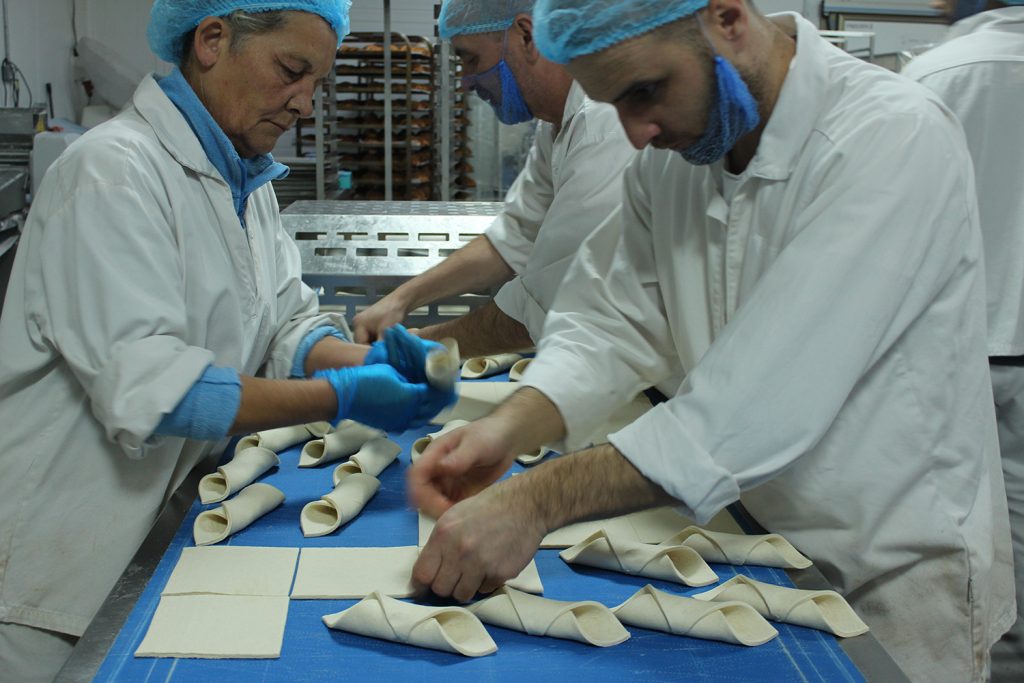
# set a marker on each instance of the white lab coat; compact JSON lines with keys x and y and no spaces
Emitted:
{"x":979,"y":73}
{"x":831,"y":322}
{"x":572,"y":181}
{"x":133,"y":275}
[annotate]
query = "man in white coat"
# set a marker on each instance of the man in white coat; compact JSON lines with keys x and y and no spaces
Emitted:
{"x":800,"y":237}
{"x":570,"y":184}
{"x":979,"y":73}
{"x":156,"y":306}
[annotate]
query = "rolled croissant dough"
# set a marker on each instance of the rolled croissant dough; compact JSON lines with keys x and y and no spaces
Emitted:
{"x":648,"y":526}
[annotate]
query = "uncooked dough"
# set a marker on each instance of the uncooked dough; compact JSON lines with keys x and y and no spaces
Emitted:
{"x":822,"y":610}
{"x":320,"y":429}
{"x":216,"y":627}
{"x":275,"y":440}
{"x":442,"y":366}
{"x":228,"y":570}
{"x":585,"y":621}
{"x":346,"y":440}
{"x":372,"y":459}
{"x":420,"y":444}
{"x":341,"y":505}
{"x":646,"y":526}
{"x":534,"y":457}
{"x":244,"y":468}
{"x":348,"y":573}
{"x":485,"y":366}
{"x":475,"y":400}
{"x":450,"y":629}
{"x":669,"y":563}
{"x":515,"y":374}
{"x":729,"y":622}
{"x":769,"y":550}
{"x":256,"y":500}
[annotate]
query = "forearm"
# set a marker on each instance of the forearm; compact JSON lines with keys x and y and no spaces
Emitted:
{"x":475,"y":267}
{"x":331,"y":352}
{"x":526,"y":421}
{"x":485,"y":330}
{"x":269,"y":403}
{"x":593,"y":484}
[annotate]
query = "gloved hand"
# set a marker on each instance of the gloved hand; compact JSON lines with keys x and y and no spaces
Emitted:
{"x":378,"y":396}
{"x":403,"y":351}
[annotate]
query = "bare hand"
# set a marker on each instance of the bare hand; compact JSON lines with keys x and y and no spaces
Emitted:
{"x":480,"y":543}
{"x":370,"y":325}
{"x":458,"y":465}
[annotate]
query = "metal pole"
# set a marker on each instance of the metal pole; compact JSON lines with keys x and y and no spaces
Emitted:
{"x":318,"y":104}
{"x":388,"y":157}
{"x":447,"y":95}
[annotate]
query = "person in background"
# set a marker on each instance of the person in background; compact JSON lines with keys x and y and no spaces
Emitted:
{"x":978,"y":71}
{"x":800,"y":236}
{"x":570,"y":184}
{"x":156,"y":307}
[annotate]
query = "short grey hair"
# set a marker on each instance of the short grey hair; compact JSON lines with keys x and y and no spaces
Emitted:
{"x":244,"y":25}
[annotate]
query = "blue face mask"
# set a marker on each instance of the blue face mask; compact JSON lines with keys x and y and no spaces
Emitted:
{"x":498,"y":87}
{"x":733,"y":114}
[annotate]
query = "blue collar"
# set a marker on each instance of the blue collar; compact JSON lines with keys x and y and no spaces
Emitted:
{"x":243,"y":176}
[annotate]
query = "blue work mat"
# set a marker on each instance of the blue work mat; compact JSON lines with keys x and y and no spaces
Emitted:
{"x":311,"y":652}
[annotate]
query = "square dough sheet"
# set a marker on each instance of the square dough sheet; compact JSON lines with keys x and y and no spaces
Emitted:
{"x":354,"y":573}
{"x":233,"y":570}
{"x":216,"y":627}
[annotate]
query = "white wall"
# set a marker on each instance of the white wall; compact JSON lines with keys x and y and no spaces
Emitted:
{"x":40,"y":37}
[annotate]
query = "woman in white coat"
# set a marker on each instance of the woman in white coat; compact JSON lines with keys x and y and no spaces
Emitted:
{"x":156,"y":307}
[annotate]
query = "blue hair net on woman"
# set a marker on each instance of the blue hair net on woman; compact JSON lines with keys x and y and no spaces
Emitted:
{"x":170,"y":20}
{"x":567,"y":29}
{"x":463,"y":17}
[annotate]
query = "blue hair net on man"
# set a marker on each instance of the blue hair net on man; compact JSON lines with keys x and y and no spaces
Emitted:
{"x":567,"y":29}
{"x":465,"y":17}
{"x":171,"y":20}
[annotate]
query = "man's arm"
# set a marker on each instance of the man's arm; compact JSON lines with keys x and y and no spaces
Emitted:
{"x":484,"y":331}
{"x":331,"y":352}
{"x":475,"y":267}
{"x":467,"y":460}
{"x":485,"y":540}
{"x":269,"y":403}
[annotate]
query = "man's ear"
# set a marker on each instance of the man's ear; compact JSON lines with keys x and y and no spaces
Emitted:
{"x":212,"y":39}
{"x":728,"y":19}
{"x":522,"y":30}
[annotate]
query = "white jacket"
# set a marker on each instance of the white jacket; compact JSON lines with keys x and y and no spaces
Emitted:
{"x":831,"y":322}
{"x":132,"y":276}
{"x":571,"y":183}
{"x":979,"y":73}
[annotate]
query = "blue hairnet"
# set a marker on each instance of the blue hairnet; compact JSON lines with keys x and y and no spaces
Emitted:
{"x":463,"y":17}
{"x":567,"y":29}
{"x":170,"y":20}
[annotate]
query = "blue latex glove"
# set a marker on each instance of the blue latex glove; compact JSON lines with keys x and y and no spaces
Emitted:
{"x":403,"y":351}
{"x":378,"y":396}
